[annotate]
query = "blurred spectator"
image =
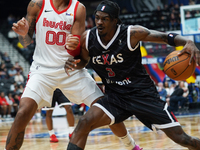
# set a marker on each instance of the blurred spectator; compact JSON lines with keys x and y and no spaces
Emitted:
{"x":12,"y":102}
{"x":89,"y":23}
{"x":179,"y":97}
{"x":166,"y":8}
{"x":162,"y":92}
{"x":6,"y":58}
{"x":11,"y":19}
{"x":158,"y":13}
{"x":163,"y":23}
{"x":176,"y":10}
{"x":124,"y":10}
{"x":170,"y":89}
{"x":16,"y":98}
{"x":3,"y":71}
{"x":12,"y":86}
{"x":21,"y":88}
{"x":18,"y":67}
{"x":184,"y":86}
{"x":197,"y":14}
{"x":169,"y":80}
{"x":6,"y":107}
{"x":12,"y":72}
{"x":19,"y":78}
{"x":191,"y":2}
{"x":193,"y":92}
{"x":166,"y":86}
{"x":173,"y":23}
{"x":12,"y":36}
{"x":188,"y":15}
{"x":16,"y":90}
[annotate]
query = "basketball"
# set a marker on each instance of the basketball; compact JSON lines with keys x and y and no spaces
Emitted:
{"x":177,"y":67}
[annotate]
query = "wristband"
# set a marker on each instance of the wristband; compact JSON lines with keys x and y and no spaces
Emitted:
{"x":75,"y":52}
{"x":170,"y":38}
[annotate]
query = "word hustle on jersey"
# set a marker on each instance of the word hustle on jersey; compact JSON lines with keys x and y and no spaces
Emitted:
{"x":107,"y":59}
{"x":61,"y":25}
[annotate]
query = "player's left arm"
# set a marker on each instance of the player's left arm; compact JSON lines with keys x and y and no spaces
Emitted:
{"x":73,"y":40}
{"x":73,"y":63}
{"x":139,"y":33}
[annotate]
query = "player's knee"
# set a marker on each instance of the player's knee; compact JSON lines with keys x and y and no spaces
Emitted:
{"x":23,"y":114}
{"x":85,"y":123}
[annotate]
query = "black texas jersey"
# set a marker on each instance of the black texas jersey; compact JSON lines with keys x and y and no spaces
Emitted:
{"x":117,"y":63}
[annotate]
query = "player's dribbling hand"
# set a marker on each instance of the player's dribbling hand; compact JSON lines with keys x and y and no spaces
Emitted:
{"x":191,"y":48}
{"x":71,"y":42}
{"x":21,"y":27}
{"x":71,"y":64}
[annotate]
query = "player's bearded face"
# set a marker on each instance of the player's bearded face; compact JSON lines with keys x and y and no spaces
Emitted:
{"x":103,"y":23}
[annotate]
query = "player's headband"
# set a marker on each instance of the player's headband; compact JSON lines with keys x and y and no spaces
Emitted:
{"x":110,"y":10}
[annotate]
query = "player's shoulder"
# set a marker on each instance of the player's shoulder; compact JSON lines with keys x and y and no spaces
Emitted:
{"x":136,"y":30}
{"x":36,"y":4}
{"x":81,"y":6}
{"x":136,"y":27}
{"x":81,"y":10}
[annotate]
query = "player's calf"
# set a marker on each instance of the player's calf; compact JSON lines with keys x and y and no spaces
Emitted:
{"x":180,"y":137}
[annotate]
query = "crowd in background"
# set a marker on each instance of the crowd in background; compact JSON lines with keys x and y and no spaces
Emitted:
{"x":165,"y":17}
{"x":178,"y":94}
{"x":12,"y":80}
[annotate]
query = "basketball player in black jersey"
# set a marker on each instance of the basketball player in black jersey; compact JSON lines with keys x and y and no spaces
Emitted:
{"x":114,"y":53}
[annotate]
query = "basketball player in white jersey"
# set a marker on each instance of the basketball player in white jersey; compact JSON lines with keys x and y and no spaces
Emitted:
{"x":58,"y":25}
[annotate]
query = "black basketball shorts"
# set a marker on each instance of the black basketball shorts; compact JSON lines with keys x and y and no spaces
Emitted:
{"x":145,"y":104}
{"x":60,"y":98}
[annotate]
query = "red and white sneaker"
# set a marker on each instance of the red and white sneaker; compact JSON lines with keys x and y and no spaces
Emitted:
{"x":53,"y":138}
{"x":137,"y":147}
{"x":70,"y":135}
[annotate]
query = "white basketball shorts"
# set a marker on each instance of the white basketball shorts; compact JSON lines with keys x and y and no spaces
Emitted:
{"x":79,"y":87}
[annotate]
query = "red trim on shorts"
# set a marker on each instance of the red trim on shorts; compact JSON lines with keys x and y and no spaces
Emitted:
{"x":28,"y":77}
{"x":60,"y":12}
{"x":75,"y":9}
{"x":174,"y":116}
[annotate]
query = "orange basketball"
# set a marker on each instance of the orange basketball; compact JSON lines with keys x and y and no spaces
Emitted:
{"x":177,"y":67}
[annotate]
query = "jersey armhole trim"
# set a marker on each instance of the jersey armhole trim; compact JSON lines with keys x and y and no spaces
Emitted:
{"x":87,"y":40}
{"x":129,"y":40}
{"x":41,"y":10}
{"x":75,"y":9}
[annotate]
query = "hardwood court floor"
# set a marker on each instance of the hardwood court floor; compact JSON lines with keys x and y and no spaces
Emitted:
{"x":37,"y":137}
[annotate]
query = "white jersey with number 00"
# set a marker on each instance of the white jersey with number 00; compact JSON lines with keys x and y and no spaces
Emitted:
{"x":52,"y":28}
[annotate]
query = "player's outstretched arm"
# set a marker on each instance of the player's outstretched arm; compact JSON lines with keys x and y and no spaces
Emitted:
{"x":139,"y":33}
{"x":26,"y":26}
